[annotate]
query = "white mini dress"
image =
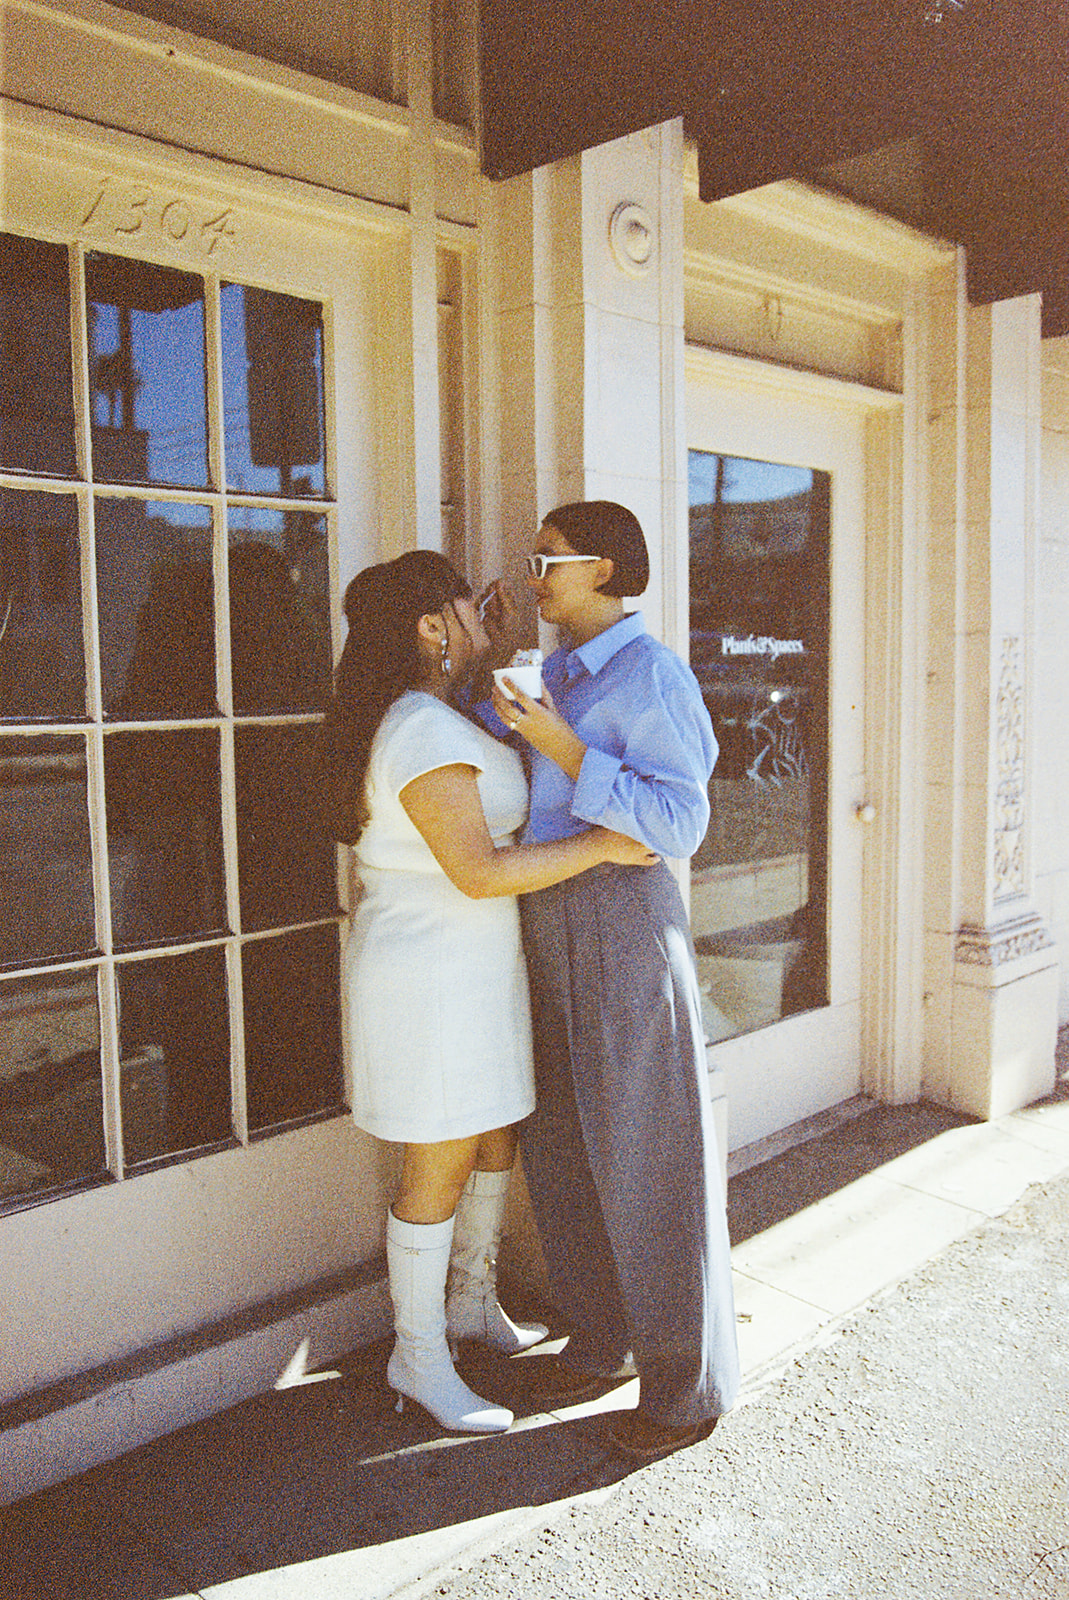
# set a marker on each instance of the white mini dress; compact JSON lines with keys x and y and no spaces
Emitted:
{"x":435,"y":982}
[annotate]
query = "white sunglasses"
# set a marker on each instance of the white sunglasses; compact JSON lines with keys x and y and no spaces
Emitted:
{"x":538,"y":565}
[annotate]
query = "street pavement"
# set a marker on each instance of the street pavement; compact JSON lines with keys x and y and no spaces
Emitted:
{"x":903,"y":1291}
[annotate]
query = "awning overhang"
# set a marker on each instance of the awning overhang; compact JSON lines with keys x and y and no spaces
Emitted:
{"x":952,"y":117}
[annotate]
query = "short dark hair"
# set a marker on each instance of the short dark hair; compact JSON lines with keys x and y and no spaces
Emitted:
{"x":604,"y":528}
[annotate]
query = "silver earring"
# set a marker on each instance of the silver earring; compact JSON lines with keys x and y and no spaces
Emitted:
{"x":447,"y":665}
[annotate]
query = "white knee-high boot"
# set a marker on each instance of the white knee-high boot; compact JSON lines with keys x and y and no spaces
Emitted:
{"x":472,"y":1309}
{"x":419,"y":1367}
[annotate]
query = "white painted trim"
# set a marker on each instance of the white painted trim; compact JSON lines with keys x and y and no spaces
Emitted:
{"x":747,"y":372}
{"x":705,"y":269}
{"x":53,"y":137}
{"x":776,"y":1144}
{"x":145,"y":36}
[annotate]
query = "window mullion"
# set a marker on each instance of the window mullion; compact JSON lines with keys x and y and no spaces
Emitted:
{"x":238,"y":1096}
{"x":106,"y":991}
{"x":109,"y":1052}
{"x":213,"y":330}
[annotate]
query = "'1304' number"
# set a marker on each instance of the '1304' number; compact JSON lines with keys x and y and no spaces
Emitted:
{"x":130,"y":211}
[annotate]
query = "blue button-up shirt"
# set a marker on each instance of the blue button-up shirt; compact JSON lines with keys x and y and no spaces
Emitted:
{"x":650,"y":744}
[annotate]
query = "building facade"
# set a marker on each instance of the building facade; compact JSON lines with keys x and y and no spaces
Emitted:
{"x":267,"y":322}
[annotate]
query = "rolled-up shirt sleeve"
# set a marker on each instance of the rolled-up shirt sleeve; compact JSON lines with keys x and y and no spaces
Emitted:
{"x":656,"y":790}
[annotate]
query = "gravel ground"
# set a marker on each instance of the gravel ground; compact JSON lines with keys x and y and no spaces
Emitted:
{"x":921,"y":1454}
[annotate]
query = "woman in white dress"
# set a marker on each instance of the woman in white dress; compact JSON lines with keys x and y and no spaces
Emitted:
{"x":434,"y":974}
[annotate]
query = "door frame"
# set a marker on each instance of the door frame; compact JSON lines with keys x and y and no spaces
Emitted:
{"x":869,"y":1035}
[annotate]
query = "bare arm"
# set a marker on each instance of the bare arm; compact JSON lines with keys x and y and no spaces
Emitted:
{"x":444,"y":805}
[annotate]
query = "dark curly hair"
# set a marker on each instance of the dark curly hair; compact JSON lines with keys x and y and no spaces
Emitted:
{"x":380,"y":661}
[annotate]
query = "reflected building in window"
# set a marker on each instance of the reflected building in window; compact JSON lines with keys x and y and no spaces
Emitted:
{"x":758,"y":645}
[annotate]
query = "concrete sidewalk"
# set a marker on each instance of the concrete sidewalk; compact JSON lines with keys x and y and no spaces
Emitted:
{"x":320,"y":1491}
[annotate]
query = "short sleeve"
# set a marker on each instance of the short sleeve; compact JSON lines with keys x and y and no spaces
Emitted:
{"x":423,"y":735}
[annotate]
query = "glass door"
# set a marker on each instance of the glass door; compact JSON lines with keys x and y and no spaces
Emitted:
{"x":777,"y":641}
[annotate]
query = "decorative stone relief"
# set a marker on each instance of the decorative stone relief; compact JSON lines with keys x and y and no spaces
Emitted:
{"x":1009,"y":790}
{"x":995,"y":947}
{"x":631,"y":239}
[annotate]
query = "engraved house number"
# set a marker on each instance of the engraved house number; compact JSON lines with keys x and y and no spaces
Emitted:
{"x":128,"y":210}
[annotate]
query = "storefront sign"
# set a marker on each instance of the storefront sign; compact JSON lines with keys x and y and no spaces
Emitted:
{"x":763,"y":646}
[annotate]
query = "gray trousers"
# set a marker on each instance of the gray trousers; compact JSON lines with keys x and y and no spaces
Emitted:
{"x":620,"y":1152}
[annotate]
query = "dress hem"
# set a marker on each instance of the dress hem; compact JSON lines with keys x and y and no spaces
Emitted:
{"x":440,"y":1129}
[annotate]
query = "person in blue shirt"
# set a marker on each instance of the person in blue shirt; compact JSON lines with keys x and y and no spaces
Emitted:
{"x":620,"y":1152}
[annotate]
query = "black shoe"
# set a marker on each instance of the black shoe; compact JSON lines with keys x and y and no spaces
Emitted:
{"x":558,"y":1384}
{"x":643,"y":1438}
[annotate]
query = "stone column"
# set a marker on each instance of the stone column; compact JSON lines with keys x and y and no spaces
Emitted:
{"x":993,"y":969}
{"x":590,"y":291}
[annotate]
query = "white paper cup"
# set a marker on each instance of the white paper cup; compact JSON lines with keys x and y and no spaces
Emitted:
{"x":529,"y":679}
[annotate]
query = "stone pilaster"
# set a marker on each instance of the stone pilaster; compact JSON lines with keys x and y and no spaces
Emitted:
{"x":993,"y":967}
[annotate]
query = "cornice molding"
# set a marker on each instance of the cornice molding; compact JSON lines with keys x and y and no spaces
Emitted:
{"x":750,"y":373}
{"x":32,"y":134}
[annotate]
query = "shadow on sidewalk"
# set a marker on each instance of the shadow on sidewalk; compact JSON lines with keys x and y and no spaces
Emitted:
{"x":764,"y":1195}
{"x":290,"y":1477}
{"x":328,"y":1467}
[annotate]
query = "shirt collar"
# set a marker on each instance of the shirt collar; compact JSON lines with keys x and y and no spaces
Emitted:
{"x":593,"y":655}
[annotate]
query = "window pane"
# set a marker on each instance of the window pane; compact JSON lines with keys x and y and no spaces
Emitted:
{"x":287,"y":866}
{"x":146,"y":369}
{"x":42,"y":658}
{"x":51,"y":1120}
{"x":36,"y":393}
{"x":174,"y":1044}
{"x":279,"y":610}
{"x":292,"y":1025}
{"x":161,"y":789}
{"x":759,"y":630}
{"x":157,"y":612}
{"x":272,"y":392}
{"x":46,"y":908}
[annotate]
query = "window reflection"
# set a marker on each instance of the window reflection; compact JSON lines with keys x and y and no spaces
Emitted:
{"x":46,"y":908}
{"x":279,"y":610}
{"x":758,"y":644}
{"x":161,"y":789}
{"x":51,"y":1119}
{"x":42,"y":657}
{"x":292,"y":1026}
{"x":174,"y":1050}
{"x":147,"y":372}
{"x":155,"y":630}
{"x":157,"y":611}
{"x":272,"y":392}
{"x":287,"y":866}
{"x":36,"y":392}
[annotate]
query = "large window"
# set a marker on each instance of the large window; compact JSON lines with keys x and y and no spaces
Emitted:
{"x":759,"y":646}
{"x":168,"y":926}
